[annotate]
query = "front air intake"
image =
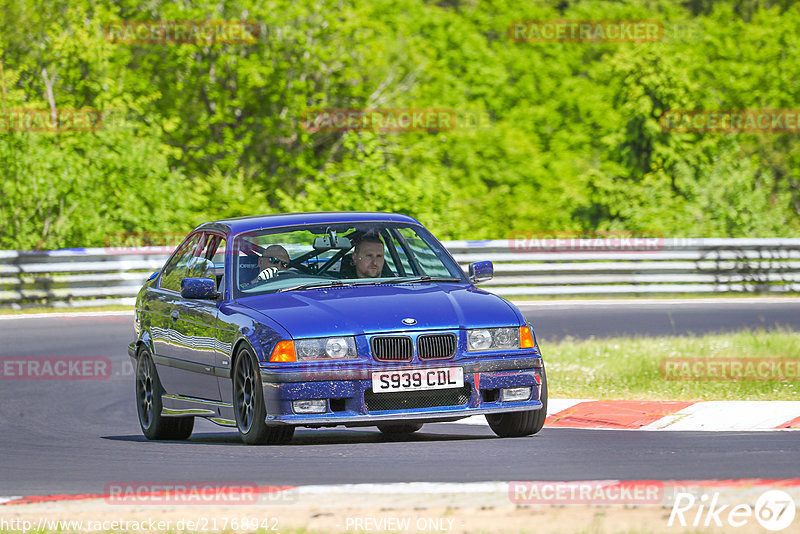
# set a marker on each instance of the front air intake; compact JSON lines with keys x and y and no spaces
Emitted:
{"x":392,"y":348}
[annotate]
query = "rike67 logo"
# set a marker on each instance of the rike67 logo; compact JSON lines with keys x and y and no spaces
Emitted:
{"x":774,"y":510}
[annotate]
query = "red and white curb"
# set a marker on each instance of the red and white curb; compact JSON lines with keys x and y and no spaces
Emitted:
{"x":716,"y":416}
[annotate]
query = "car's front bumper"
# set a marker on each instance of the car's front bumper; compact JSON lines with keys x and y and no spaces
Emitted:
{"x":350,"y":401}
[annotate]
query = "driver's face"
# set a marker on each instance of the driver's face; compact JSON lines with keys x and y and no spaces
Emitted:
{"x":368,"y":260}
{"x":274,"y":256}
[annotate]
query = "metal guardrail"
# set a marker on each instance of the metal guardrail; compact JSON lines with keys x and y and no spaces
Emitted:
{"x":635,"y":266}
{"x":99,"y":276}
{"x":75,"y":277}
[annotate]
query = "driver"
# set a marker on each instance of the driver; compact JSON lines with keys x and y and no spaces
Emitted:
{"x":274,"y":260}
{"x":368,"y":256}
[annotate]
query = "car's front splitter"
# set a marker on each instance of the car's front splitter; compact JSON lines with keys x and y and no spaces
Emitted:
{"x":426,"y":416}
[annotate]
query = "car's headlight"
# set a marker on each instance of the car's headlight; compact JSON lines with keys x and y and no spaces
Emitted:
{"x":493,"y":338}
{"x":325,"y":348}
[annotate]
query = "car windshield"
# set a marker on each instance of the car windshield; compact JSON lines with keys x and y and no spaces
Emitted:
{"x":317,"y":256}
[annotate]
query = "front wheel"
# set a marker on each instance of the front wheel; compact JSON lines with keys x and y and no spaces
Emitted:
{"x":518,"y":424}
{"x":148,"y":404}
{"x":248,"y":404}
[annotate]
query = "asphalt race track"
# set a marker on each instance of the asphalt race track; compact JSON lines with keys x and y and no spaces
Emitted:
{"x":68,"y":436}
{"x":558,"y":319}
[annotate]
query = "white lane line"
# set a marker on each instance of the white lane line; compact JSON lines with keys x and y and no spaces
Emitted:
{"x":708,"y":416}
{"x":61,"y":315}
{"x":729,"y":416}
{"x":555,"y":406}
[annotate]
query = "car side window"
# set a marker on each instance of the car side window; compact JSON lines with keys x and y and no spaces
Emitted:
{"x":177,"y":268}
{"x":215,"y":251}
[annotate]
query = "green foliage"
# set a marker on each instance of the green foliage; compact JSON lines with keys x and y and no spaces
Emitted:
{"x":568,"y":137}
{"x":65,"y":191}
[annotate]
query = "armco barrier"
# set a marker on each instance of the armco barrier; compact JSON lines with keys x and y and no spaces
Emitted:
{"x":75,"y":277}
{"x":97,"y":276}
{"x":629,"y":266}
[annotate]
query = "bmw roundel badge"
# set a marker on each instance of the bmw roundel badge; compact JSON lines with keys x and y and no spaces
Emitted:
{"x":409,"y":321}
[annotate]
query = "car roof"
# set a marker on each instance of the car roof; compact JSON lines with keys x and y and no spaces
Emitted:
{"x":238,"y":225}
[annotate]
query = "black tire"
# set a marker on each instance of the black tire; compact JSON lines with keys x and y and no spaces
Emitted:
{"x":399,"y":430}
{"x":518,"y":424}
{"x":248,"y":404}
{"x":148,"y":404}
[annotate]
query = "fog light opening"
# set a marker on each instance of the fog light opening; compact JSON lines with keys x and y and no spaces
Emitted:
{"x":310,"y":406}
{"x":338,"y":405}
{"x":515,"y":394}
{"x":491,"y":395}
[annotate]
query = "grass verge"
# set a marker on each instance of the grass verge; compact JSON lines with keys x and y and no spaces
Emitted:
{"x":631,"y":368}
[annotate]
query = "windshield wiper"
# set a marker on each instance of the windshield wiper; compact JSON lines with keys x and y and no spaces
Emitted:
{"x":311,"y":285}
{"x":423,"y":278}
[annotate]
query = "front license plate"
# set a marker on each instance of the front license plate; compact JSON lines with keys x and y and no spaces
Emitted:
{"x":417,"y":379}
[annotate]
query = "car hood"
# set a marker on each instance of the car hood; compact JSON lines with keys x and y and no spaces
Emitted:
{"x":382,"y":308}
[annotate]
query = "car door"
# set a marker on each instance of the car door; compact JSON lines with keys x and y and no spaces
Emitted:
{"x":202,"y":350}
{"x":182,"y":369}
{"x":163,"y":312}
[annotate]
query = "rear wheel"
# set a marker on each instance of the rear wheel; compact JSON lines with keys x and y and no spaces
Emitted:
{"x":518,"y":424}
{"x":399,"y":430}
{"x":148,"y":404}
{"x":248,"y":404}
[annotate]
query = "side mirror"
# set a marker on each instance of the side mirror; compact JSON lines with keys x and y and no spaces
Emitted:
{"x":481,"y":271}
{"x":199,"y":288}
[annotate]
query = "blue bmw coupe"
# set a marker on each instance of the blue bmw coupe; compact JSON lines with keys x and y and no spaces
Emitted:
{"x":324,"y":319}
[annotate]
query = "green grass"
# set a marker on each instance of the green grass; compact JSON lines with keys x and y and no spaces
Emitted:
{"x":629,"y":368}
